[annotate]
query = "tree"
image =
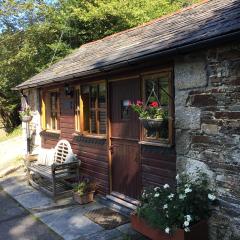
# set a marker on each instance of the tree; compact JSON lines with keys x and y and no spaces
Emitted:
{"x":30,"y":32}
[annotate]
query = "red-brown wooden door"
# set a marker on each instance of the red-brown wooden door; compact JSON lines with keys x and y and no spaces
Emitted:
{"x":125,"y":133}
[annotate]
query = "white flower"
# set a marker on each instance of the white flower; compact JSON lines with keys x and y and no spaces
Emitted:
{"x":186,"y":223}
{"x":156,"y":195}
{"x":182,"y":196}
{"x":165,"y":206}
{"x":171,"y":196}
{"x":167,"y":230}
{"x":177,"y":177}
{"x":187,"y":190}
{"x":188,"y":217}
{"x":166,"y":186}
{"x":187,"y":229}
{"x":211,"y":197}
{"x":156,"y":189}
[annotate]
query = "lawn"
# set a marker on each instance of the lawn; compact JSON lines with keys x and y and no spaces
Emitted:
{"x":15,"y":133}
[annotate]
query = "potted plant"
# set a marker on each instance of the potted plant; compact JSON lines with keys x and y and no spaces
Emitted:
{"x":26,"y":114}
{"x":152,"y":116}
{"x":175,"y":214}
{"x":83,"y":192}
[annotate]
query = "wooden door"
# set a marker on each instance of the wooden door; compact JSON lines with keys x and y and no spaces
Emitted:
{"x":125,"y":134}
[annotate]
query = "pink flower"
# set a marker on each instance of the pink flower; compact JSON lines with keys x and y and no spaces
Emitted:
{"x":139,"y":103}
{"x":154,"y":104}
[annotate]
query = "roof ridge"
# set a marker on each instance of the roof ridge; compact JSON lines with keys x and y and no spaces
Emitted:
{"x":149,"y":22}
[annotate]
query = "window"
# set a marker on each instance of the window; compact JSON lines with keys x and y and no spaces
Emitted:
{"x":162,"y":83}
{"x":50,"y":110}
{"x":90,"y":109}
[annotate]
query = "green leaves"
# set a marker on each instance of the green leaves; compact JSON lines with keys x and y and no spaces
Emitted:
{"x":30,"y":32}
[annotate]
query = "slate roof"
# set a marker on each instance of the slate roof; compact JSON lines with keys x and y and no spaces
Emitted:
{"x":196,"y":24}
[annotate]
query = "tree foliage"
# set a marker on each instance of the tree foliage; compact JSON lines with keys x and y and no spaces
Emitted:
{"x":30,"y":32}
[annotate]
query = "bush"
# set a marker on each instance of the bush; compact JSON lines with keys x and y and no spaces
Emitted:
{"x":187,"y":204}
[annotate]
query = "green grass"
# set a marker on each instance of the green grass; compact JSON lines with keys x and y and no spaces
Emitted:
{"x":15,"y":133}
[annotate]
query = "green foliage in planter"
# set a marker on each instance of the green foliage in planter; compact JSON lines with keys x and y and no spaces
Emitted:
{"x":84,"y":187}
{"x":151,"y":111}
{"x":187,"y":204}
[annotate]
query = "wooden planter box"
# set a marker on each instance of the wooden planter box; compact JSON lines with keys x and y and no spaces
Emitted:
{"x":87,"y":198}
{"x":198,"y":231}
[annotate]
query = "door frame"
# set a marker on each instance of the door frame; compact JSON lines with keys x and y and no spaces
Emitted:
{"x":109,"y":135}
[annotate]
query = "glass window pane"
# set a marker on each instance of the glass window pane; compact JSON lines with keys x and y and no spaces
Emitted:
{"x":93,"y":96}
{"x":102,"y":122}
{"x":102,"y":96}
{"x":125,"y":109}
{"x":85,"y":99}
{"x":93,"y":123}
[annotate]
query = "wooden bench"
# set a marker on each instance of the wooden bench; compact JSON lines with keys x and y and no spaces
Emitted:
{"x":55,"y":180}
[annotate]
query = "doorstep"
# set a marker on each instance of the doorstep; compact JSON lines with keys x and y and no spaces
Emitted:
{"x":64,"y":217}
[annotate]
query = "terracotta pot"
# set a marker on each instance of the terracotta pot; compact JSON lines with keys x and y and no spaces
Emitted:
{"x":26,"y":118}
{"x":87,"y":198}
{"x":152,"y":124}
{"x":198,"y":231}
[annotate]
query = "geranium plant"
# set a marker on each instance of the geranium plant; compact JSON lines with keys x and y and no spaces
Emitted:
{"x":151,"y":111}
{"x":170,"y":209}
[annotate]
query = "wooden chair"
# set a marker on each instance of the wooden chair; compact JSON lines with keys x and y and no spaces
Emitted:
{"x":55,"y":180}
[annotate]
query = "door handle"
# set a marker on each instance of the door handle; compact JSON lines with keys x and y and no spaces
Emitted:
{"x":111,"y":148}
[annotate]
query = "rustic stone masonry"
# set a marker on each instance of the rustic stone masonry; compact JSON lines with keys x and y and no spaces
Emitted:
{"x":207,"y":104}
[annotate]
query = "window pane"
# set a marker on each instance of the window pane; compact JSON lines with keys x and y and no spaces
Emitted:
{"x":53,"y":99}
{"x":93,"y":96}
{"x":102,"y":122}
{"x":93,"y":123}
{"x":163,"y":91}
{"x":85,"y":99}
{"x":125,"y":109}
{"x":102,"y":96}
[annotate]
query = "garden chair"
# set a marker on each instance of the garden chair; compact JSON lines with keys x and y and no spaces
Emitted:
{"x":55,"y":178}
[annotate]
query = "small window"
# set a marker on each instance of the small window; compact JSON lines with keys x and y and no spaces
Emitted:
{"x":50,"y":110}
{"x":125,"y":109}
{"x":90,"y":109}
{"x":163,"y":89}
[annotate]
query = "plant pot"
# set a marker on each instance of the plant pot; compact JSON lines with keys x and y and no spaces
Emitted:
{"x":152,"y":124}
{"x":26,"y":118}
{"x":198,"y":231}
{"x":87,"y":198}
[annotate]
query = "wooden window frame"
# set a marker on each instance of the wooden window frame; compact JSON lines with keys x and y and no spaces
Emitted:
{"x":79,"y":117}
{"x":170,"y":140}
{"x":44,"y":108}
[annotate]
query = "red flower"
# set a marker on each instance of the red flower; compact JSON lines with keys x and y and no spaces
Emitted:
{"x":139,"y":103}
{"x":154,"y":104}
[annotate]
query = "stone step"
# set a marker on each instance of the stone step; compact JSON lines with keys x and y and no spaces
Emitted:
{"x":109,"y":202}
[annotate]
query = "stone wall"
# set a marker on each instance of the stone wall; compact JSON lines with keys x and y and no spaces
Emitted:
{"x":207,"y":105}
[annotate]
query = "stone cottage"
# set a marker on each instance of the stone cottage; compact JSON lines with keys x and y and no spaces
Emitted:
{"x":194,"y":56}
